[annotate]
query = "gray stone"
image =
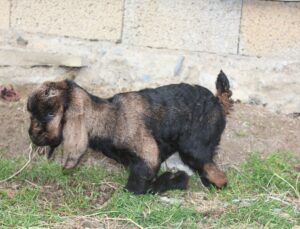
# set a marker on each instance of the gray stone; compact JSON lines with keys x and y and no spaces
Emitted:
{"x":178,"y":66}
{"x":175,"y":163}
{"x":29,"y":75}
{"x":14,"y":57}
{"x":21,"y":41}
{"x":170,"y":200}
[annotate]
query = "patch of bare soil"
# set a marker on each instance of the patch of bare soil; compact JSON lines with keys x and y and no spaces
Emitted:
{"x":13,"y":135}
{"x":250,"y":128}
{"x":203,"y":204}
{"x":14,"y":140}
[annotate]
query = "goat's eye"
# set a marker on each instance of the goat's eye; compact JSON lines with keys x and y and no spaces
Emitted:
{"x":50,"y":114}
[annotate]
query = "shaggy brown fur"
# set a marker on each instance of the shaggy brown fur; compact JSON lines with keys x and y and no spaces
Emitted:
{"x":139,"y":129}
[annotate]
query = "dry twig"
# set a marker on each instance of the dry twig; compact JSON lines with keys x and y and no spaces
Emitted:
{"x":284,"y":180}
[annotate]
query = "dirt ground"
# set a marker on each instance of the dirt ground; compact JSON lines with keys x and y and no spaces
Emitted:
{"x":250,"y":128}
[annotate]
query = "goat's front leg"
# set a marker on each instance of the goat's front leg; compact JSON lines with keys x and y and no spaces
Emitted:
{"x":50,"y":152}
{"x":140,"y":177}
{"x":145,"y":163}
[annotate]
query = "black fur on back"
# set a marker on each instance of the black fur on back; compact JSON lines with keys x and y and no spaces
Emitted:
{"x":188,"y":113}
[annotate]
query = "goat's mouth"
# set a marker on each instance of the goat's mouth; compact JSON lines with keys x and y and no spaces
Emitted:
{"x":39,"y":141}
{"x":43,"y":140}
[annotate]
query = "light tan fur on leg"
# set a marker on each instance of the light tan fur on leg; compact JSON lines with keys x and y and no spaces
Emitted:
{"x":215,"y":175}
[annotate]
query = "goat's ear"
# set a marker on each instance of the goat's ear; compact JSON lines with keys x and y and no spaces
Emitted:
{"x":75,"y":134}
{"x":59,"y":85}
{"x":54,"y":89}
{"x":51,"y":92}
{"x":75,"y":141}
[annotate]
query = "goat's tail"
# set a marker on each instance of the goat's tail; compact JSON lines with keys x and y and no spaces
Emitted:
{"x":223,"y":92}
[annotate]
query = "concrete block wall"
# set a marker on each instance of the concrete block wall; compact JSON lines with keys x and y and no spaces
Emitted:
{"x":88,"y":19}
{"x":117,"y":45}
{"x":270,"y":29}
{"x":210,"y":26}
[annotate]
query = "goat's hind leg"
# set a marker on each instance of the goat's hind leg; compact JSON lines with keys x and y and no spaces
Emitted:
{"x":211,"y":173}
{"x":200,"y":159}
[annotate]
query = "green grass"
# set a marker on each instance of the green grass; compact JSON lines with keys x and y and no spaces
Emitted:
{"x":149,"y":210}
{"x":261,"y":193}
